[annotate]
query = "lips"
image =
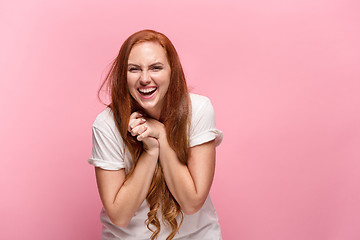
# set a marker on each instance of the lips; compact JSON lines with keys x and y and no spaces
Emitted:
{"x":147,"y":92}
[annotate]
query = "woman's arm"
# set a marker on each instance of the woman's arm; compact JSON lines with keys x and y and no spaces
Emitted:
{"x":189,"y":184}
{"x":120,"y":198}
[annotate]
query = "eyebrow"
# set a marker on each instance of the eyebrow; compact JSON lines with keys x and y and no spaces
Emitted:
{"x":153,"y":64}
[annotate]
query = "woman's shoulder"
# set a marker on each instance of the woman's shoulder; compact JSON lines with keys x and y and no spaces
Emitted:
{"x":104,"y":121}
{"x":198,"y":100}
{"x":199,"y":103}
{"x":203,"y":127}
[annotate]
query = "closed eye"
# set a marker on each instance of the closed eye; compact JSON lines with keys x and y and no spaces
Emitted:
{"x":133,"y":69}
{"x":156,"y":68}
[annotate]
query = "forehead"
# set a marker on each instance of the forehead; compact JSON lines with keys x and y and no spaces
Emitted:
{"x":146,"y":53}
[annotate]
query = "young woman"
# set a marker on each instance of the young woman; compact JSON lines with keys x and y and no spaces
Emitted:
{"x":154,"y":147}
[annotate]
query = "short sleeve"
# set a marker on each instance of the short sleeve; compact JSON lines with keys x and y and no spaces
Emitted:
{"x":203,"y":128}
{"x":106,"y":152}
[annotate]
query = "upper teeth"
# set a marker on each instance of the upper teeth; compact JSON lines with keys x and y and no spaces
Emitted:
{"x":146,"y":90}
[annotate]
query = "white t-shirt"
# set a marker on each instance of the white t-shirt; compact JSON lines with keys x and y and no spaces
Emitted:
{"x":108,"y":153}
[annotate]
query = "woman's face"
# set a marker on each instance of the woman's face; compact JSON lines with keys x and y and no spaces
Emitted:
{"x":148,"y":76}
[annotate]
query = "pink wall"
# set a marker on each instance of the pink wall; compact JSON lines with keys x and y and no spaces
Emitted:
{"x":283,"y":76}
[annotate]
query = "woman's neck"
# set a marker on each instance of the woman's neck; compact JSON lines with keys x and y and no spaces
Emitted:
{"x":154,"y":113}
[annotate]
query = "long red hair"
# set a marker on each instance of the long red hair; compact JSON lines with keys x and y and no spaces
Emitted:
{"x":175,"y":115}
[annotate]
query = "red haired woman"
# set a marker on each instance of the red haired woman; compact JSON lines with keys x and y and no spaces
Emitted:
{"x":154,"y":147}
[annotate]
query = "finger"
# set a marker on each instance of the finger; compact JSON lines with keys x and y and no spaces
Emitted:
{"x":142,"y":129}
{"x":144,"y":134}
{"x":138,"y":130}
{"x":135,"y":115}
{"x":135,"y":122}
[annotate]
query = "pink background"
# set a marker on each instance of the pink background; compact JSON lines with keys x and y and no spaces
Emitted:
{"x":283,"y":77}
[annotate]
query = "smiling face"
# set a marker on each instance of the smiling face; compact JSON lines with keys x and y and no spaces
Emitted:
{"x":148,"y":76}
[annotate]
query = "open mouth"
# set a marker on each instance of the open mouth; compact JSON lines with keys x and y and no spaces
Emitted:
{"x":147,"y":91}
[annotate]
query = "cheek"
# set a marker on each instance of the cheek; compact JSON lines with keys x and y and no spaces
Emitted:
{"x":130,"y":81}
{"x":165,"y":80}
{"x":131,"y":86}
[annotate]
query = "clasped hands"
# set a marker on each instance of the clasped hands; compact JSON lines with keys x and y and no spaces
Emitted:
{"x":147,"y":130}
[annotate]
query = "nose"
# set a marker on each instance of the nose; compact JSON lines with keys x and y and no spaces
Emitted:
{"x":145,"y":78}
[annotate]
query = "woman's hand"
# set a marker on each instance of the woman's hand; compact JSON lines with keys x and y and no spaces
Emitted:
{"x":139,"y":126}
{"x":154,"y":129}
